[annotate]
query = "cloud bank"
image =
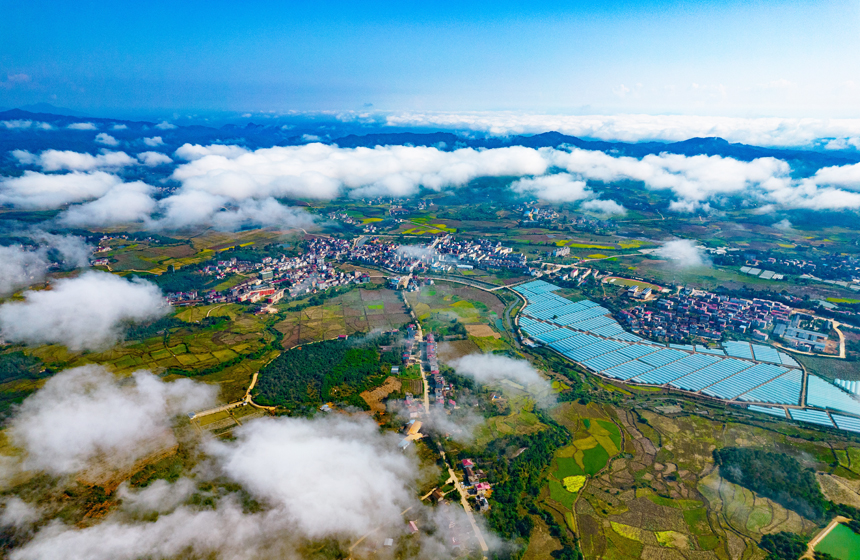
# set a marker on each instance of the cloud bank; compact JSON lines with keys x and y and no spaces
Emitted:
{"x":560,"y":187}
{"x":323,"y":172}
{"x":360,"y":478}
{"x":36,"y":191}
{"x":606,"y":208}
{"x":638,"y":128}
{"x":84,"y":417}
{"x":124,"y":203}
{"x":87,"y":312}
{"x":229,"y":187}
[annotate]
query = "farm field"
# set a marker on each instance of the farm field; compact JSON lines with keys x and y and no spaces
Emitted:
{"x":637,"y":484}
{"x":444,"y":302}
{"x":359,"y":310}
{"x":187,"y":349}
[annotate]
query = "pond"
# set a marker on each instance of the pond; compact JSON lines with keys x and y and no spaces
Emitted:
{"x":841,"y":542}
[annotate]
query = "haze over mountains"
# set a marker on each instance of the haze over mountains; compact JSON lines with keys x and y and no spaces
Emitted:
{"x":36,"y":131}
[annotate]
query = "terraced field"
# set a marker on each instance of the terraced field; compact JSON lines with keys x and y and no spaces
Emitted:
{"x":643,"y":485}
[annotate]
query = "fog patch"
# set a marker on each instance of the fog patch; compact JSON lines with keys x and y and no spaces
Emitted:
{"x":331,"y":476}
{"x":87,"y":312}
{"x":683,"y":253}
{"x":492,"y":369}
{"x":85,"y":418}
{"x":25,"y":266}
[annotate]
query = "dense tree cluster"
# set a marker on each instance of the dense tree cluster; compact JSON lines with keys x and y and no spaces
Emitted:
{"x":17,"y":365}
{"x":336,"y":370}
{"x":783,"y":546}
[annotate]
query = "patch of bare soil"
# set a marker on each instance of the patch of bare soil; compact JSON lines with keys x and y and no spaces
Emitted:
{"x":482,"y":330}
{"x":374,"y":398}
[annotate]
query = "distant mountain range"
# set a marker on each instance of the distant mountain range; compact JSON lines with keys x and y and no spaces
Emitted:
{"x":131,"y":133}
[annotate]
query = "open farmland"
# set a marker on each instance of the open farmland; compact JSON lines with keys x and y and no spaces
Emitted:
{"x":226,"y":352}
{"x":359,"y":310}
{"x":662,"y":494}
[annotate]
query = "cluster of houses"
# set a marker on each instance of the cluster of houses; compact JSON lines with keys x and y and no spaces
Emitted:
{"x":834,"y":268}
{"x":272,"y":279}
{"x":481,"y":253}
{"x":697,"y":313}
{"x":437,"y":383}
{"x":475,"y":483}
{"x":533,"y":216}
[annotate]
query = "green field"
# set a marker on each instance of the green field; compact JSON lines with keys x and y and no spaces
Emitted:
{"x":842,"y":543}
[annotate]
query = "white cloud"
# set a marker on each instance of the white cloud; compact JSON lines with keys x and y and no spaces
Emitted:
{"x":35,"y":190}
{"x":224,"y":532}
{"x":106,"y":139}
{"x":321,"y":171}
{"x":84,"y":417}
{"x":164,"y":125}
{"x":560,"y":187}
{"x":682,"y":253}
{"x":24,"y":267}
{"x":191,"y":152}
{"x":689,"y":177}
{"x":124,"y":203}
{"x":360,"y":483}
{"x":784,"y":225}
{"x":119,"y":127}
{"x":360,"y":478}
{"x":160,"y":496}
{"x":87,"y":312}
{"x":25,"y":124}
{"x":19,"y":514}
{"x":82,"y":126}
{"x":766,"y":131}
{"x":195,"y":208}
{"x":843,"y":144}
{"x":489,"y":368}
{"x":689,"y":206}
{"x":604,"y":207}
{"x":845,"y":176}
{"x":153,"y":159}
{"x":153,"y":142}
{"x":21,"y":268}
{"x":55,"y":160}
{"x":24,"y":157}
{"x":73,"y":249}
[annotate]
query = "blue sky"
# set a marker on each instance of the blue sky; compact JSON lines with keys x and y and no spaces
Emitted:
{"x":765,"y":58}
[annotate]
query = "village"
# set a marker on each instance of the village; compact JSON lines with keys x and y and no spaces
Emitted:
{"x":692,"y":313}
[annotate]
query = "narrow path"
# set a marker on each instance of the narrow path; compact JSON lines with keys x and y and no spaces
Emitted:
{"x":214,"y":308}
